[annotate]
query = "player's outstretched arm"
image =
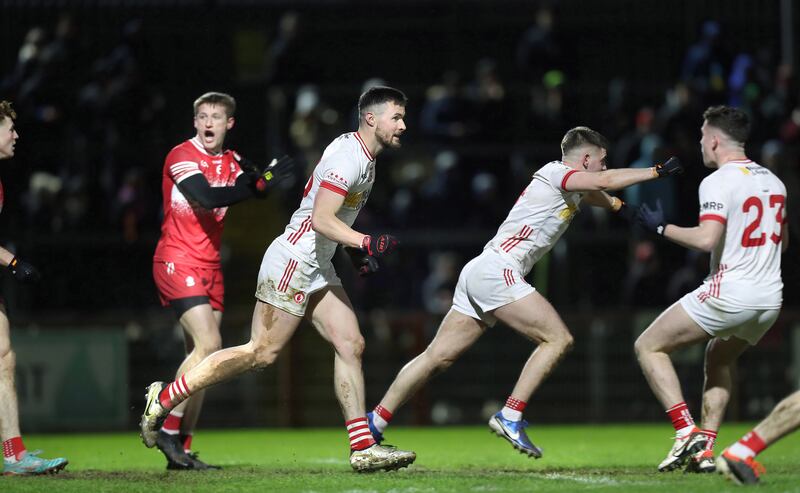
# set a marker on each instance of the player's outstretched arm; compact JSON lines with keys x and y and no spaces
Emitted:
{"x":264,"y":178}
{"x":197,"y":189}
{"x":21,"y":270}
{"x":616,"y":179}
{"x":704,"y":237}
{"x":613,"y":204}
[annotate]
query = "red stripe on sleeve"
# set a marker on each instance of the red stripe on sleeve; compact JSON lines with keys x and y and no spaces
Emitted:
{"x":712,"y":217}
{"x":333,"y":188}
{"x":566,"y":177}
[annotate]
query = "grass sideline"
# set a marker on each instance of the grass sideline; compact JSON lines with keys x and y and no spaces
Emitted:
{"x":450,"y":459}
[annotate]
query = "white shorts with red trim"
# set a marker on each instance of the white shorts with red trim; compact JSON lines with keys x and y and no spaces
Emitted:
{"x":720,"y":319}
{"x":486,"y":283}
{"x":286,"y":281}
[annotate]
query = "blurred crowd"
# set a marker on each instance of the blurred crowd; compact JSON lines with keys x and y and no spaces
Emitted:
{"x":95,"y":131}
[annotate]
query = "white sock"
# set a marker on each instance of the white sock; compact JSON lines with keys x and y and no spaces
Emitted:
{"x":741,"y":451}
{"x":684,"y":431}
{"x":379,"y":422}
{"x":511,"y":414}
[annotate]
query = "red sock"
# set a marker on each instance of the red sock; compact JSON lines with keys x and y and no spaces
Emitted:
{"x":360,"y":437}
{"x":712,"y":438}
{"x":13,"y":449}
{"x":513,"y":409}
{"x":172,"y":424}
{"x":174,"y":393}
{"x":383,"y":413}
{"x":753,"y":442}
{"x":680,"y":416}
{"x":187,"y":442}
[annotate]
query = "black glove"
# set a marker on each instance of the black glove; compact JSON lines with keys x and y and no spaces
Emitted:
{"x":627,"y":212}
{"x":23,"y":271}
{"x":378,"y":246}
{"x":262,"y":181}
{"x":652,"y":219}
{"x":673,"y":166}
{"x":362,"y":261}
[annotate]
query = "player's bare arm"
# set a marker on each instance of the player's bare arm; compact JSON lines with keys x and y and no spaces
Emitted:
{"x":704,"y":237}
{"x":616,"y":179}
{"x":5,"y":257}
{"x":325,"y":222}
{"x":602,"y":200}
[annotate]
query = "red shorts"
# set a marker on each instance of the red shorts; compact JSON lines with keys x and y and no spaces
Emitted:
{"x":176,"y":281}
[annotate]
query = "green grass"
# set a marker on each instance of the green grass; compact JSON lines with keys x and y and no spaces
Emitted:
{"x":577,"y":458}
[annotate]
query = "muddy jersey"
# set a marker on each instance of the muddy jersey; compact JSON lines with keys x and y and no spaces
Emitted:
{"x":191,"y":234}
{"x":539,"y":218}
{"x":346,"y":168}
{"x":749,"y":200}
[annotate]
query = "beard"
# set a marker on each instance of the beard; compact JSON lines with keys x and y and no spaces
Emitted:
{"x":386,"y":139}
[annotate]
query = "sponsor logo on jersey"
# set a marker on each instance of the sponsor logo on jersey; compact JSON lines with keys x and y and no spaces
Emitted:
{"x":170,"y":268}
{"x":712,"y":206}
{"x":203,"y":163}
{"x":567,"y":212}
{"x":190,"y":281}
{"x":299,"y":297}
{"x":356,"y":200}
{"x":334,"y":177}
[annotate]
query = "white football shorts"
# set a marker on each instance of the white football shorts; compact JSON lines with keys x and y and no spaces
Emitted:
{"x":286,"y":281}
{"x":723,"y":320}
{"x":486,"y":283}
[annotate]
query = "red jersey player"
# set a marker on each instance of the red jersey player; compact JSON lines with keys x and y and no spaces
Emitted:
{"x":16,"y":460}
{"x":200,"y":180}
{"x":297,"y":280}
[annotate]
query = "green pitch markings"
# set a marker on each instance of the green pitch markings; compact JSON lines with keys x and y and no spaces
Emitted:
{"x":597,"y":458}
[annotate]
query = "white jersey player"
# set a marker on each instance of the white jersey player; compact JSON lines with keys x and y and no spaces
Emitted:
{"x":298,"y":263}
{"x":297,"y":279}
{"x":742,"y":223}
{"x":492,"y":286}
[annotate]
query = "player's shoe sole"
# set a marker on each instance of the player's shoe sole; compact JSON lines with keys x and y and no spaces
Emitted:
{"x":153,"y":416}
{"x":739,"y":471}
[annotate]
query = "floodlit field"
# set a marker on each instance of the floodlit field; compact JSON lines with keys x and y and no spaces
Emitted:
{"x":577,"y":458}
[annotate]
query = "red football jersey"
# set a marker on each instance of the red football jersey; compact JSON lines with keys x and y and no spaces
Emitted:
{"x":190,"y":234}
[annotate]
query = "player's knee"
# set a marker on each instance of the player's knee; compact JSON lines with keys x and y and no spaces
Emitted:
{"x":351,"y":347}
{"x":566,"y":341}
{"x":641,"y":347}
{"x":8,"y":359}
{"x":262,"y":357}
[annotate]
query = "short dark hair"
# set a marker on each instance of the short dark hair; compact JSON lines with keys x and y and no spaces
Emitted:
{"x":579,"y":136}
{"x":7,"y":111}
{"x":217,"y":98}
{"x":379,"y":95}
{"x":733,"y":121}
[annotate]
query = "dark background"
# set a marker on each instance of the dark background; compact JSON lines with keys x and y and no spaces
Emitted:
{"x":105,"y":89}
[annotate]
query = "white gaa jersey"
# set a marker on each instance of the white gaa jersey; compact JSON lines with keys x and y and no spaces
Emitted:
{"x":745,"y":268}
{"x":539,"y":218}
{"x":347,"y":168}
